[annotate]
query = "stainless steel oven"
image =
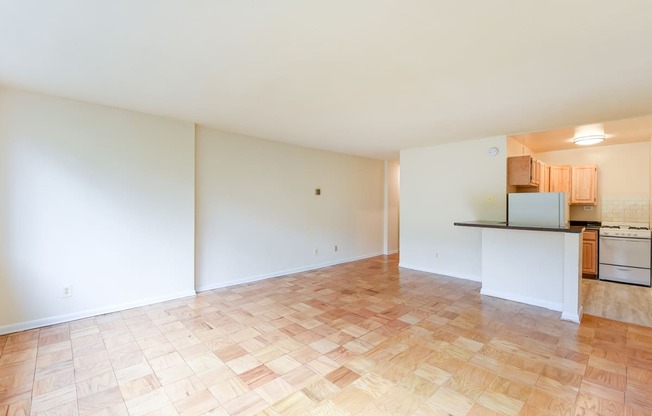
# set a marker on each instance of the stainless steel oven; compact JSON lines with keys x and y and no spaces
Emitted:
{"x":625,"y":255}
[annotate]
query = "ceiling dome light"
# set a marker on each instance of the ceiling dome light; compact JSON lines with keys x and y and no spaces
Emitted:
{"x":589,"y":140}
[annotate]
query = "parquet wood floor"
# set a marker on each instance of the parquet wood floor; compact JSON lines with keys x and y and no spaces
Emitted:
{"x":359,"y":339}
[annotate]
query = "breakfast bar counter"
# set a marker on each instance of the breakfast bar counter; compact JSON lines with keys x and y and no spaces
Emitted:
{"x":506,"y":226}
{"x":540,"y":266}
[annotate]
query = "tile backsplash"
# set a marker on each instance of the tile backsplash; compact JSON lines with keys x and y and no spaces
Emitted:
{"x":626,"y":209}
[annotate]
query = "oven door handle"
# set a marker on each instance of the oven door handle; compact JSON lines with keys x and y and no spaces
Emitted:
{"x":632,"y":239}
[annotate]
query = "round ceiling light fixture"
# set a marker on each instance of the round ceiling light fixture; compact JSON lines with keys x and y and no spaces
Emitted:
{"x":589,"y":140}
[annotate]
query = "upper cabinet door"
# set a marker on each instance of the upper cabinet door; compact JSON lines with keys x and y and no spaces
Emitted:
{"x":544,"y":177}
{"x":560,"y":179}
{"x":584,"y":183}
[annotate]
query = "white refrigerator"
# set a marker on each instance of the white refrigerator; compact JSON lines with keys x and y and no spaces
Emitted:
{"x":538,"y":209}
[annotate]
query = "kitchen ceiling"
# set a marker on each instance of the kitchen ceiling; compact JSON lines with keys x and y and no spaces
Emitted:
{"x":631,"y":130}
{"x":365,"y":77}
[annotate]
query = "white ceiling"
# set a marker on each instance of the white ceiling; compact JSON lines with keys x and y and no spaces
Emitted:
{"x":366,"y":77}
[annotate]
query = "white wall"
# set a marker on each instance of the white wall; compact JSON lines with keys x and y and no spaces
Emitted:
{"x":623,"y":172}
{"x":515,"y":148}
{"x":392,"y":203}
{"x":257,"y":214}
{"x":443,"y":184}
{"x":94,"y":197}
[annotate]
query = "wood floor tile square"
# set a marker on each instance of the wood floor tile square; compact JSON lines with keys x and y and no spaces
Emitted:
{"x":342,"y":377}
{"x":66,"y":409}
{"x":139,"y":386}
{"x":54,"y":398}
{"x":258,"y":376}
{"x":53,"y":382}
{"x":510,"y":388}
{"x":17,"y":356}
{"x":296,"y":404}
{"x":204,"y":362}
{"x":399,"y":401}
{"x":500,"y":402}
{"x":184,"y":388}
{"x":479,"y":410}
{"x":323,"y":346}
{"x":125,"y":375}
{"x":148,"y":403}
{"x":373,"y":384}
{"x":283,"y":364}
{"x":16,"y":405}
{"x":243,"y":364}
{"x":267,"y":354}
{"x":252,"y":345}
{"x":96,"y":384}
{"x":231,"y":352}
{"x":451,"y":402}
{"x":275,"y":390}
{"x":91,"y":367}
{"x":101,"y":402}
{"x":229,"y":389}
{"x":197,"y":403}
{"x":323,"y":365}
{"x":65,"y":345}
{"x":562,"y":376}
{"x":606,"y":378}
{"x":248,"y":404}
{"x":471,"y":381}
{"x":327,"y":408}
{"x":638,"y":397}
{"x":304,"y":354}
{"x":351,"y":400}
{"x":561,"y":407}
{"x":54,"y":358}
{"x":320,"y":390}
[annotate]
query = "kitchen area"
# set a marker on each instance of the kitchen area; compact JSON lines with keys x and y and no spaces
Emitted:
{"x":601,"y":173}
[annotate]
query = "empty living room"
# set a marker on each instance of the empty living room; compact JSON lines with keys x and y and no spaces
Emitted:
{"x":249,"y":208}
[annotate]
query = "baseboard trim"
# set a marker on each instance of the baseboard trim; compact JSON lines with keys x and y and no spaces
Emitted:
{"x":553,"y":306}
{"x":265,"y":276}
{"x":472,"y":278}
{"x":390,"y":252}
{"x":58,"y":319}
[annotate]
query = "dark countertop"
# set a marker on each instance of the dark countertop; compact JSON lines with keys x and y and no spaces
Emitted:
{"x":503,"y":225}
{"x":590,"y":225}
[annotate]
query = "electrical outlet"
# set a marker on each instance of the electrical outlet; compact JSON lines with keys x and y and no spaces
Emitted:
{"x":315,"y":252}
{"x":66,"y":291}
{"x":335,"y":247}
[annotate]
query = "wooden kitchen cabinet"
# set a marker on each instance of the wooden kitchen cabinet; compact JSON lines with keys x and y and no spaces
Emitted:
{"x":560,"y":179}
{"x":544,"y":177}
{"x":523,"y":171}
{"x":590,"y":252}
{"x":584,"y":184}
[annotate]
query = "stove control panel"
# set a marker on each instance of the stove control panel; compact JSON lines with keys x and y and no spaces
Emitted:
{"x":625,"y":233}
